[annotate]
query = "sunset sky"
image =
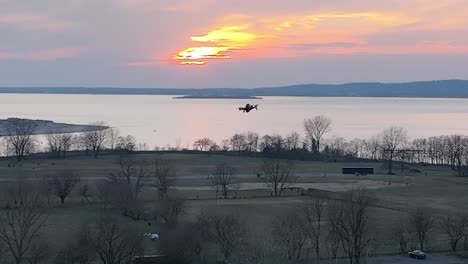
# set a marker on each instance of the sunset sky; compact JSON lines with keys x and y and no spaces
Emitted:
{"x":230,"y":43}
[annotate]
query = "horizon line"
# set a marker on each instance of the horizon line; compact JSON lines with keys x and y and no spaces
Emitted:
{"x":247,"y":88}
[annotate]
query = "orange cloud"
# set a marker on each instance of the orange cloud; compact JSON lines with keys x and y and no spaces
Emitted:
{"x":217,"y":44}
{"x":42,"y":55}
{"x":257,"y":37}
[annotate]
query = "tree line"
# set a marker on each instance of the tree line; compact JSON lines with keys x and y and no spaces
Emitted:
{"x":391,"y":144}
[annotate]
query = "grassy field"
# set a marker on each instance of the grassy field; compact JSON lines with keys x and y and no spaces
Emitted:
{"x":435,"y":188}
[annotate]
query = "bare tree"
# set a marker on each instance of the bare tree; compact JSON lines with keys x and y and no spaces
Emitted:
{"x":85,"y":193}
{"x":457,"y":146}
{"x":20,"y":136}
{"x":54,"y":144}
{"x":125,"y":187}
{"x":214,"y":147}
{"x":293,"y":141}
{"x":63,"y":184}
{"x":372,"y":147}
{"x":333,"y":242}
{"x":289,"y":231}
{"x":403,"y":236}
{"x":392,"y":138}
{"x":336,"y":146}
{"x":455,"y":227}
{"x":59,"y":144}
{"x":228,"y":232}
{"x":163,"y":177}
{"x":266,"y":143}
{"x":131,"y":174}
{"x":252,"y":141}
{"x":185,"y":243}
{"x":356,"y":147}
{"x":114,"y":134}
{"x":277,"y":174}
{"x":127,"y":143}
{"x":223,"y":177}
{"x":203,"y":144}
{"x":349,"y":219}
{"x":38,"y":254}
{"x":278,"y":143}
{"x":225,"y":145}
{"x":315,"y":128}
{"x":21,"y":222}
{"x":113,"y":243}
{"x":170,"y":211}
{"x":313,"y":211}
{"x":96,"y":137}
{"x":77,"y":250}
{"x":3,"y":253}
{"x":422,"y":224}
{"x":238,"y":142}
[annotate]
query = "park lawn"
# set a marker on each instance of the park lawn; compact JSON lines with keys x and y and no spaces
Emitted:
{"x":435,"y":188}
{"x":194,"y":164}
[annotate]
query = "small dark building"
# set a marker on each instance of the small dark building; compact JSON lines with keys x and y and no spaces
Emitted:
{"x":358,"y":170}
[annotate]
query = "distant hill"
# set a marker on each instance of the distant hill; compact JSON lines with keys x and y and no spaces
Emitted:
{"x":429,"y":89}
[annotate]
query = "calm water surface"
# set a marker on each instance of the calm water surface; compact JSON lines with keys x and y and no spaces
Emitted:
{"x":186,"y":120}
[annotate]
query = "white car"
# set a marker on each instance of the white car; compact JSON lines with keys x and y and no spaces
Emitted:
{"x":153,"y":236}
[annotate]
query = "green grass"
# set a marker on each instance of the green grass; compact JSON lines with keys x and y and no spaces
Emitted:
{"x":435,"y":188}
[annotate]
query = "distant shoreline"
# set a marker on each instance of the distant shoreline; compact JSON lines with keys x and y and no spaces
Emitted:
{"x":216,"y":97}
{"x":429,"y":89}
{"x":46,"y":127}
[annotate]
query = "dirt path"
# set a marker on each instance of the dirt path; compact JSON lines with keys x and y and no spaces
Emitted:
{"x":340,"y":186}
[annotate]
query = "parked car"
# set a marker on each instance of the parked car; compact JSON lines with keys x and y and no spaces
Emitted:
{"x":417,"y":254}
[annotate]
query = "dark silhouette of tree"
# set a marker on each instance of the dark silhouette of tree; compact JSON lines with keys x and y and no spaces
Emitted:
{"x":59,"y":144}
{"x":125,"y":186}
{"x":238,"y":142}
{"x":113,"y":243}
{"x":77,"y":250}
{"x":349,"y":219}
{"x":252,"y":141}
{"x":185,"y":243}
{"x":203,"y":144}
{"x":132,"y":175}
{"x":455,"y":227}
{"x":228,"y":232}
{"x":422,"y":224}
{"x":163,"y":177}
{"x":63,"y":184}
{"x":114,"y":135}
{"x":266,"y":143}
{"x":21,"y":221}
{"x":170,"y":211}
{"x":85,"y":193}
{"x":402,"y":234}
{"x":315,"y":128}
{"x":392,"y":139}
{"x":290,"y":233}
{"x":38,"y":254}
{"x":223,"y":178}
{"x":314,"y":213}
{"x":20,"y":136}
{"x":277,"y":175}
{"x":96,"y":137}
{"x":127,"y":143}
{"x":293,"y":141}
